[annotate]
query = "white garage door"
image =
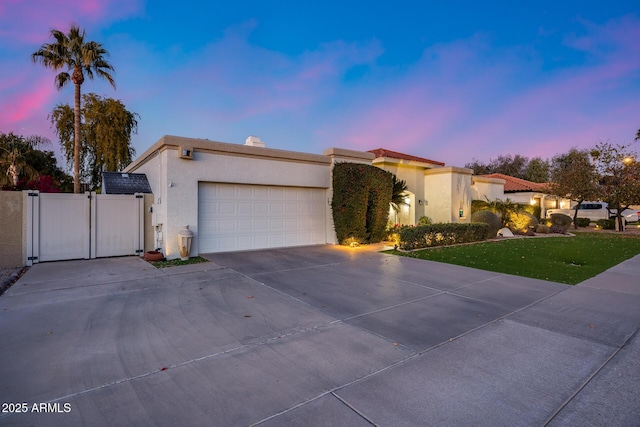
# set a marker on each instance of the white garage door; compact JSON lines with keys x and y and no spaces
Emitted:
{"x":233,"y":217}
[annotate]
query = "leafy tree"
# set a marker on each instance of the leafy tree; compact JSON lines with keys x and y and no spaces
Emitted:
{"x":14,"y":157}
{"x":537,"y":170}
{"x":107,"y":127}
{"x":619,"y":174}
{"x":50,"y":174}
{"x":510,"y":165}
{"x":573,"y":176}
{"x":478,"y":167}
{"x":79,"y":57}
{"x":638,"y":135}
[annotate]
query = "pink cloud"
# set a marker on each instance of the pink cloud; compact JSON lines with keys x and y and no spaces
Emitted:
{"x":31,"y":21}
{"x":465,"y":100}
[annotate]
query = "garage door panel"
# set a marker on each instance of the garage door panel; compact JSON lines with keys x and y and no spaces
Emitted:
{"x":245,"y":208}
{"x":240,"y":217}
{"x":261,"y":208}
{"x":277,"y":224}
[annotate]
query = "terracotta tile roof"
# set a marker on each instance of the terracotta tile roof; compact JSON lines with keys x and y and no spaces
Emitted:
{"x":382,"y":152}
{"x":513,"y":184}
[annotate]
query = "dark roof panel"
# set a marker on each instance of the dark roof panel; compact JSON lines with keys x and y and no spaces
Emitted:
{"x":124,"y":183}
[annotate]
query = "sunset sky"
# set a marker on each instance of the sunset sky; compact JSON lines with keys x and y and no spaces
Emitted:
{"x":450,"y":81}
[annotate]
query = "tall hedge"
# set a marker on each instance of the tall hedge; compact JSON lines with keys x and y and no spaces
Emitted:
{"x":360,"y":205}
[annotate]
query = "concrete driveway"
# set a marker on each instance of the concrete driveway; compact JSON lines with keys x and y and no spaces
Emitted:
{"x":318,"y":335}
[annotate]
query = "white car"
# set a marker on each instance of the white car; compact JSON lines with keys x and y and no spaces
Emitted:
{"x":595,"y":211}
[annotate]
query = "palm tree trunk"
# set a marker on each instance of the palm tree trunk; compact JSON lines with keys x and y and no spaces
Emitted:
{"x":78,"y":140}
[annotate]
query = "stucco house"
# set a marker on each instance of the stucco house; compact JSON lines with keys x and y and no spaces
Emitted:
{"x":521,"y":191}
{"x":241,"y":197}
{"x":442,"y":193}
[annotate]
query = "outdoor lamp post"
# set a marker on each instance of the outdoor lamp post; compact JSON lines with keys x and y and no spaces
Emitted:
{"x":185,"y":237}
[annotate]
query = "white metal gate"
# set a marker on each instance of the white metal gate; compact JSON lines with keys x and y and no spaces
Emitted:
{"x":89,"y":225}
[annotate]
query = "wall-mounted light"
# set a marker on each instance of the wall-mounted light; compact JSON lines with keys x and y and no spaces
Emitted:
{"x":419,"y":202}
{"x":185,"y":153}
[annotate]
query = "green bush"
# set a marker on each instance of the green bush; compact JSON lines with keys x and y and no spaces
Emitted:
{"x":360,"y":205}
{"x":543,"y":229}
{"x":491,"y":219}
{"x":583,"y":222}
{"x":522,"y":223}
{"x":607,"y":224}
{"x":425,"y":236}
{"x":560,"y":223}
{"x":482,"y":205}
{"x":424,"y":220}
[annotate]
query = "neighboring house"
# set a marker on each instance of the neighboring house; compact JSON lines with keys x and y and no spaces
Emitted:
{"x":518,"y":190}
{"x":241,"y":197}
{"x":442,"y":193}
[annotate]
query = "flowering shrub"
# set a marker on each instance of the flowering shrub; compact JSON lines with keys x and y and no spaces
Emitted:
{"x":425,"y":236}
{"x":522,"y":222}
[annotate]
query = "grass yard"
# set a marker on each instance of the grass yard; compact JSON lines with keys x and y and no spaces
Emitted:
{"x":562,"y":259}
{"x":178,"y":262}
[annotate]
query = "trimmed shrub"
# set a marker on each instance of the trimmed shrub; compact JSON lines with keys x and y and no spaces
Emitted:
{"x":425,"y":236}
{"x":583,"y":222}
{"x":424,"y":220}
{"x":492,"y":220}
{"x":523,"y":223}
{"x":482,"y":205}
{"x":360,"y":205}
{"x":543,"y":229}
{"x":560,"y":223}
{"x":607,"y":224}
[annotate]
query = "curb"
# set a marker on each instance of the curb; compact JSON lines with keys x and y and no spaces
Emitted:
{"x":12,"y":279}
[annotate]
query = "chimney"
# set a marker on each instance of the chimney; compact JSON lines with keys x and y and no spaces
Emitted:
{"x":253,"y":141}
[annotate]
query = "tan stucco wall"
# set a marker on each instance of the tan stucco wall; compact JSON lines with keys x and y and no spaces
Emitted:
{"x":11,"y":228}
{"x":412,"y":173}
{"x":483,"y":188}
{"x":447,"y":190}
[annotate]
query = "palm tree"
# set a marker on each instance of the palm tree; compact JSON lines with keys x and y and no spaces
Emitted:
{"x":398,"y":195}
{"x":504,"y":208}
{"x":13,"y":157}
{"x":70,"y":51}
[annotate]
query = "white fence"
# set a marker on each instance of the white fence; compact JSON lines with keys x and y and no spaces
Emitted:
{"x":83,"y":226}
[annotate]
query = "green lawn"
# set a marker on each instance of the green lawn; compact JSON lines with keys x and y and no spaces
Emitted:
{"x":562,"y":259}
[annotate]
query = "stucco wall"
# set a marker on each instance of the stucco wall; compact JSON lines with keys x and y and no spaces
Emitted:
{"x":11,"y":228}
{"x":174,"y":180}
{"x":447,"y":190}
{"x":483,"y":188}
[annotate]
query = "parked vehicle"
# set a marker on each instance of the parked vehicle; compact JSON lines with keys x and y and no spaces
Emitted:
{"x":595,"y":211}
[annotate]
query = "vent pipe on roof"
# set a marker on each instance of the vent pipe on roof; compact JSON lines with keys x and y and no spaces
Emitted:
{"x":253,"y":141}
